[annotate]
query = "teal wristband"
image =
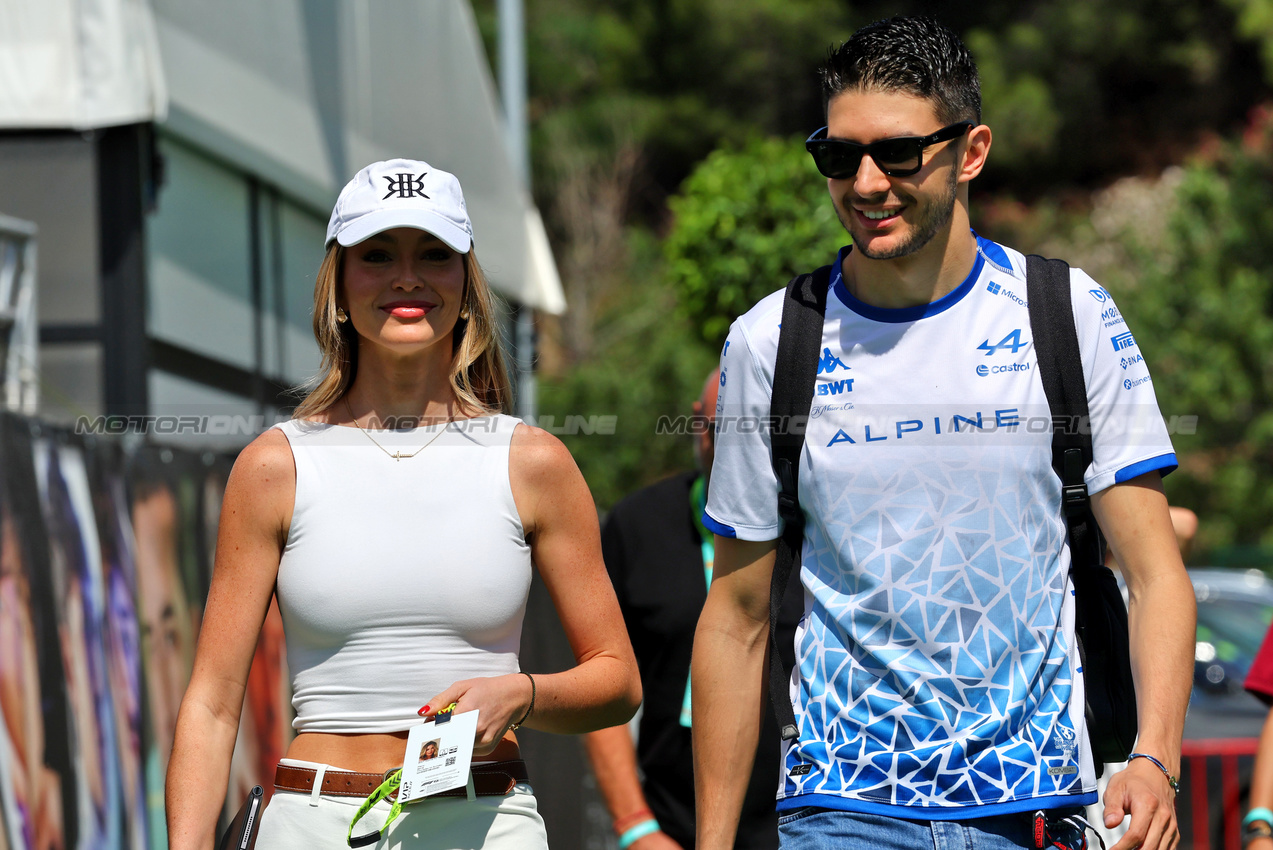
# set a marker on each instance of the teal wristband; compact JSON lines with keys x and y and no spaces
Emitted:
{"x":639,"y":831}
{"x":1258,"y":814}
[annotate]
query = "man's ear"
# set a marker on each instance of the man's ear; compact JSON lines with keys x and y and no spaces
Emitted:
{"x":976,"y":149}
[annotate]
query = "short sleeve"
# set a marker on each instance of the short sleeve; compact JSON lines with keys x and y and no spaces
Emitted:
{"x":742,"y":497}
{"x":1129,"y":437}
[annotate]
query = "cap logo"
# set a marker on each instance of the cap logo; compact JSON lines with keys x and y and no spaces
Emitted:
{"x":406,"y":185}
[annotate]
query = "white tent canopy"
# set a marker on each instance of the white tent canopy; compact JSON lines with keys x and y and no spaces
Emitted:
{"x":300,"y":93}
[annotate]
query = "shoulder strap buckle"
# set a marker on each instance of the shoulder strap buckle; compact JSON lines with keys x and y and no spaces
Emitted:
{"x":1075,"y":500}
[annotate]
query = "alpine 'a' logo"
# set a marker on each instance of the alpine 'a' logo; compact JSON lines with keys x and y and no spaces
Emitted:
{"x":406,"y":185}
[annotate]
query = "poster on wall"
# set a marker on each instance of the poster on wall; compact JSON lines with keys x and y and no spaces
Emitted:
{"x":37,"y":784}
{"x":79,"y":602}
{"x":123,"y":633}
{"x":169,"y":604}
{"x":105,"y":558}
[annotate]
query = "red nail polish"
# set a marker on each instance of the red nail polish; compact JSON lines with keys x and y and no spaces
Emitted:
{"x":423,"y":711}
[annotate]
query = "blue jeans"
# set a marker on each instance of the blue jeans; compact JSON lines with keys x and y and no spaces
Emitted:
{"x":828,"y":829}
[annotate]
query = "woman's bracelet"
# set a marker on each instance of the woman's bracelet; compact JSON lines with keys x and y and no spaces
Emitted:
{"x":529,"y":708}
{"x":1171,"y":780}
{"x":1260,"y":813}
{"x":635,"y":833}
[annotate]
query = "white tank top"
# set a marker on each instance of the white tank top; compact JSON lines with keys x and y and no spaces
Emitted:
{"x":399,"y":577}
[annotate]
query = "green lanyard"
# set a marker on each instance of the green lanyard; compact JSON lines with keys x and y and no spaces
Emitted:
{"x":386,"y":788}
{"x":698,"y":504}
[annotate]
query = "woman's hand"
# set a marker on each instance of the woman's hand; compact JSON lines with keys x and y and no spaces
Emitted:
{"x":499,"y":701}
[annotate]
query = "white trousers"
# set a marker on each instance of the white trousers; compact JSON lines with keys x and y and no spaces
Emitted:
{"x":300,"y":821}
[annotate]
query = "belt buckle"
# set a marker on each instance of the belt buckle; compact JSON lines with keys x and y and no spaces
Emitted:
{"x":388,"y":774}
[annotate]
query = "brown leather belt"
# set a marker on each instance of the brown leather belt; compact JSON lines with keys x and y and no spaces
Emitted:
{"x":490,"y":779}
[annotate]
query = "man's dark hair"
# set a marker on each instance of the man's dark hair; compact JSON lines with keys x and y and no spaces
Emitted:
{"x":911,"y":54}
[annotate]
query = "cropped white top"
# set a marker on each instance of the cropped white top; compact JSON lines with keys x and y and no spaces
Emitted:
{"x":399,"y":577}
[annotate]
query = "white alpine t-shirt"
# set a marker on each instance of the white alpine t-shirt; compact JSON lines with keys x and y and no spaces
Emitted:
{"x":936,"y":658}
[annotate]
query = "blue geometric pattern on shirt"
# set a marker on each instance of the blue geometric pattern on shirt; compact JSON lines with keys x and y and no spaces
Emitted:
{"x":935,"y":669}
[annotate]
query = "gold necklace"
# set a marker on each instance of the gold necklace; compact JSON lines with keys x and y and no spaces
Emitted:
{"x":395,"y":455}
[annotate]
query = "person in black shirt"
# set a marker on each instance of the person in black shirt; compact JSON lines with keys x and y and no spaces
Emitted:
{"x":659,"y":557}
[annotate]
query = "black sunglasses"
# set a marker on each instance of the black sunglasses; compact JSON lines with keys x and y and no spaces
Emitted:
{"x":839,"y":159}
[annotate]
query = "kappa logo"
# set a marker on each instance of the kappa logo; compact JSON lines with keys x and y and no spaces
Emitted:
{"x":828,"y":362}
{"x":801,"y":769}
{"x":406,"y":185}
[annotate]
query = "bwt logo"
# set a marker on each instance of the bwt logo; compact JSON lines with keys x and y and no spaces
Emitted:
{"x":1122,"y":341}
{"x":1131,"y":361}
{"x":835,"y":387}
{"x":406,"y":185}
{"x":1099,"y":294}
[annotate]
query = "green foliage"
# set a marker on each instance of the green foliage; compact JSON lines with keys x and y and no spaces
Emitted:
{"x":647,"y":364}
{"x":672,"y":79}
{"x":1207,"y":314}
{"x":1197,"y":290}
{"x":747,"y":221}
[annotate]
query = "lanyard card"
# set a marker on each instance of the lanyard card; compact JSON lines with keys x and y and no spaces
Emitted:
{"x":438,"y":756}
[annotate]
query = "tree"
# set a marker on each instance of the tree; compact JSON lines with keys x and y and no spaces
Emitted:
{"x":1189,"y":257}
{"x":647,"y":364}
{"x":744,"y":223}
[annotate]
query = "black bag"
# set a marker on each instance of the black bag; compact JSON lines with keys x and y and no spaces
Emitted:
{"x":241,"y":833}
{"x":1101,"y":616}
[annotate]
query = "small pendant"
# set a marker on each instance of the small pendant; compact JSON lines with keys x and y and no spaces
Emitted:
{"x":397,"y":455}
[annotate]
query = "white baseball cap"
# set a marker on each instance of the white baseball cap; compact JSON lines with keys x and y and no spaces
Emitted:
{"x":401,"y":193}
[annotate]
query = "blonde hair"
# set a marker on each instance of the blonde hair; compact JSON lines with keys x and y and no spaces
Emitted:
{"x":478,"y":378}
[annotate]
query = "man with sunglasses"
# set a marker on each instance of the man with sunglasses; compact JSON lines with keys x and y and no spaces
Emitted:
{"x":938,"y":693}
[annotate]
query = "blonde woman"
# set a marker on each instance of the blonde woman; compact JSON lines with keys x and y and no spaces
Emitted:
{"x":398,"y":516}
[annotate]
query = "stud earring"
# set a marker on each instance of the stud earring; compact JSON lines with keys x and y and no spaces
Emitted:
{"x":341,"y":315}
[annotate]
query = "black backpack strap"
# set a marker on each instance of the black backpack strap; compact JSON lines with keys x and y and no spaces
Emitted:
{"x":1100,"y":616}
{"x":795,"y":373}
{"x":1056,"y":345}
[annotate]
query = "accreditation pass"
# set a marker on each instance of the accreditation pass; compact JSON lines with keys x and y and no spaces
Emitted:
{"x":438,"y":756}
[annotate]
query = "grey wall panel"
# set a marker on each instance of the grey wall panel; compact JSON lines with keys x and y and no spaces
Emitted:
{"x":51,"y":179}
{"x":70,"y":382}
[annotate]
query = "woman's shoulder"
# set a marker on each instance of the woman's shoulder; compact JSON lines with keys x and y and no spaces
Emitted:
{"x":536,"y":445}
{"x":267,"y":460}
{"x":538,"y":458}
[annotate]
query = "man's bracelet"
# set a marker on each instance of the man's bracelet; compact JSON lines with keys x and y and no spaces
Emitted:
{"x":1171,"y":780}
{"x":622,"y":824}
{"x":1256,"y":829}
{"x":635,"y":833}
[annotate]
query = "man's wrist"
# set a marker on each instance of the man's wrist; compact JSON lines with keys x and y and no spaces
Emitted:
{"x":637,"y":831}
